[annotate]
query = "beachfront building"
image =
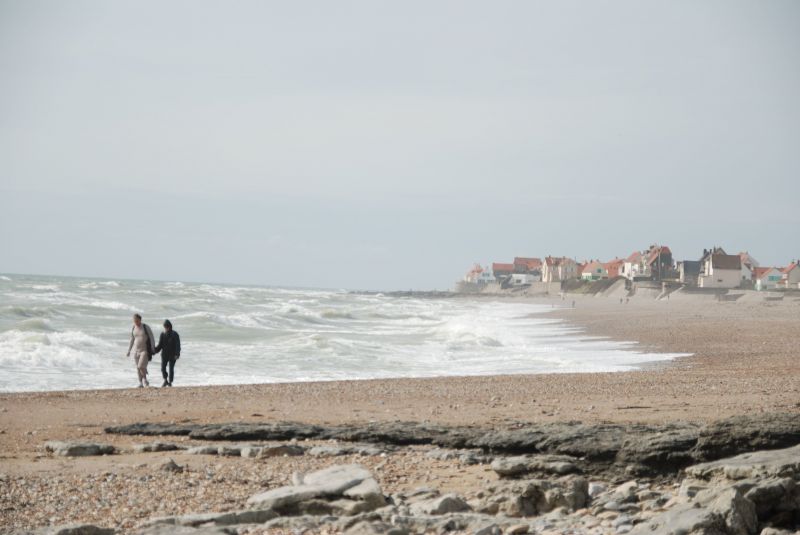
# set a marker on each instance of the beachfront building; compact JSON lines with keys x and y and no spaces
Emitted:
{"x":594,"y":270}
{"x":502,"y":271}
{"x":528,"y":266}
{"x":791,"y":275}
{"x":557,"y":269}
{"x":689,"y":271}
{"x":634,"y":266}
{"x":614,"y":268}
{"x":522,"y":279}
{"x":767,"y":278}
{"x":719,"y":270}
{"x":748,"y":265}
{"x":659,"y":262}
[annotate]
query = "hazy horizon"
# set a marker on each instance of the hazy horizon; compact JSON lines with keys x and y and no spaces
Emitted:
{"x":364,"y":146}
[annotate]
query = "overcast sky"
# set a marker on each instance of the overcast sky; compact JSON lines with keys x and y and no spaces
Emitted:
{"x":390,"y":145}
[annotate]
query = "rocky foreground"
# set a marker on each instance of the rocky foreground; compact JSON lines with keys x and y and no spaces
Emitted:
{"x":736,"y":476}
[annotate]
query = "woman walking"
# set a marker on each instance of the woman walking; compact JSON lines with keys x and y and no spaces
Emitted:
{"x":169,"y":344}
{"x":143,"y":347}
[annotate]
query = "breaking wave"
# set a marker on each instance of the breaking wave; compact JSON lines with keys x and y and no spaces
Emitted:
{"x":63,"y":333}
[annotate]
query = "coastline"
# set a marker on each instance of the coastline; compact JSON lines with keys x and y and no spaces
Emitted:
{"x":743,"y":363}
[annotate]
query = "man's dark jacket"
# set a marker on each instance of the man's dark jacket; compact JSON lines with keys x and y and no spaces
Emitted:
{"x":169,"y":343}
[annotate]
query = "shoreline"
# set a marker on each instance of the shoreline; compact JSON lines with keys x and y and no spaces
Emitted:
{"x":744,"y":365}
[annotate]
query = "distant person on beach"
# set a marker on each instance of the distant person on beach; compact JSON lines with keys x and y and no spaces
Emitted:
{"x":143,"y":347}
{"x":169,"y":344}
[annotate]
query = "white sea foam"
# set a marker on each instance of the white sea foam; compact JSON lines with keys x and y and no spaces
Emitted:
{"x":66,"y":334}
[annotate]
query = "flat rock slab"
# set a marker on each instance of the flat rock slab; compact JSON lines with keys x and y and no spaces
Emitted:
{"x":655,"y":449}
{"x":70,"y":529}
{"x":156,"y":446}
{"x":345,"y":449}
{"x":342,"y":483}
{"x":78,"y":449}
{"x":771,"y":463}
{"x":524,"y":464}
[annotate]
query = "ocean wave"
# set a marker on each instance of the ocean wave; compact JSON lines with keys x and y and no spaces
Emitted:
{"x":4,"y":278}
{"x":32,"y":324}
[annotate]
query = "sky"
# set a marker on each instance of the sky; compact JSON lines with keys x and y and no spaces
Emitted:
{"x":390,"y":145}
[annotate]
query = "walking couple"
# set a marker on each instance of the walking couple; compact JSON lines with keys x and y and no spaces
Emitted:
{"x":143,"y":348}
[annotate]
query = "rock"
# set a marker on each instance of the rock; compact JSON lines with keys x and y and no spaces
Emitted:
{"x":203,"y":450}
{"x":682,"y":519}
{"x":518,"y":529}
{"x":603,"y":448}
{"x":595,"y":489}
{"x":488,"y":529}
{"x":281,"y":450}
{"x":774,"y":463}
{"x":170,"y":466}
{"x":626,"y":492}
{"x":738,"y":512}
{"x":715,"y":511}
{"x":76,"y":529}
{"x":369,"y":492}
{"x":345,"y":449}
{"x":78,"y":449}
{"x":747,"y":433}
{"x":510,"y":466}
{"x":319,"y":490}
{"x":155,"y":446}
{"x":247,"y":516}
{"x":376,"y":528}
{"x":515,"y":466}
{"x":771,"y":496}
{"x":448,"y":503}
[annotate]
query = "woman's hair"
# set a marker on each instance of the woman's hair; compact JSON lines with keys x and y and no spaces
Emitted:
{"x":137,"y":316}
{"x":168,"y":324}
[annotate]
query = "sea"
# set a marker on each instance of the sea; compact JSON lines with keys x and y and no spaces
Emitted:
{"x":64,"y":333}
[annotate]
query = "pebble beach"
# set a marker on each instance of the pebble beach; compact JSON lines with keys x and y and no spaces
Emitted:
{"x":743,"y":363}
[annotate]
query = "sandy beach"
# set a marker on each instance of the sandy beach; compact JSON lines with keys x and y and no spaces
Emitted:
{"x":744,"y":361}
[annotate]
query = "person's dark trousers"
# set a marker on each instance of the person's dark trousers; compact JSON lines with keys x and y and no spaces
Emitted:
{"x":171,"y":364}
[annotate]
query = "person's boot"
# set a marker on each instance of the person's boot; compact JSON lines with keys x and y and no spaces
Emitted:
{"x":166,"y":383}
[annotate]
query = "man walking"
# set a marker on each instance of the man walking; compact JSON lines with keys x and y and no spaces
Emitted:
{"x":169,"y":343}
{"x":143,"y":346}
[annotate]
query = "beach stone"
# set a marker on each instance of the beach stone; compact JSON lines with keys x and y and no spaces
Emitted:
{"x":170,"y":466}
{"x":345,"y":449}
{"x":723,"y":511}
{"x":738,"y":512}
{"x":515,"y":466}
{"x":771,"y":496}
{"x":78,"y":449}
{"x":447,"y":503}
{"x":203,"y":450}
{"x":376,"y":528}
{"x":321,"y":486}
{"x":596,"y":489}
{"x":279,"y":450}
{"x":155,"y":446}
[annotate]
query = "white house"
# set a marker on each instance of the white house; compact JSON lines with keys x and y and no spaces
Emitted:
{"x":719,"y":270}
{"x":748,"y":265}
{"x":767,"y":278}
{"x":791,"y":275}
{"x":523,"y":279}
{"x":555,"y":269}
{"x":635,"y":266}
{"x":486,"y":276}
